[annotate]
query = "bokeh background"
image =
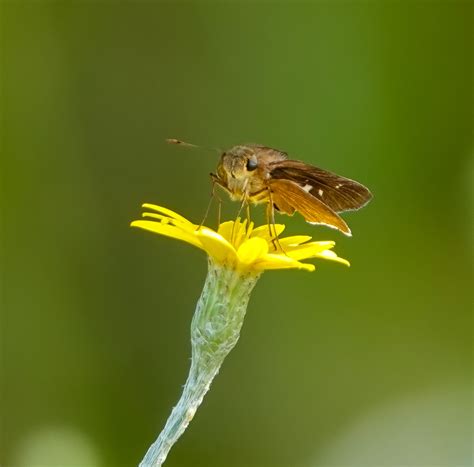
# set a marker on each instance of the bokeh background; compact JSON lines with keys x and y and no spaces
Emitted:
{"x":367,"y":366}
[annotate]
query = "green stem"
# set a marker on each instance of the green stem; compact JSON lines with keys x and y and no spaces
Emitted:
{"x":215,"y":329}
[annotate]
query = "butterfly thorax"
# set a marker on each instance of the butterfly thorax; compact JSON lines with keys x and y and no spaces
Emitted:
{"x":245,"y":169}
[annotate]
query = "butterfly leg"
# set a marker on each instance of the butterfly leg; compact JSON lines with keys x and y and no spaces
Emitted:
{"x":271,"y":223}
{"x":207,"y":209}
{"x":214,"y":181}
{"x":219,"y":210}
{"x":241,"y":207}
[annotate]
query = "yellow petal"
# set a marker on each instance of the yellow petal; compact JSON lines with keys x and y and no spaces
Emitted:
{"x":330,"y":255}
{"x":240,"y":231}
{"x":294,"y":240}
{"x":168,"y":231}
{"x":264,"y":231}
{"x":225,"y":229}
{"x":168,"y":220}
{"x":308,"y":250}
{"x":233,"y":232}
{"x":249,"y":230}
{"x":167,"y":212}
{"x":272,"y":261}
{"x":216,"y":245}
{"x":154,"y":215}
{"x":252,"y":249}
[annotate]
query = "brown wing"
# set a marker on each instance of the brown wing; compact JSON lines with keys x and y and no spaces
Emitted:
{"x":289,"y":197}
{"x":338,"y":193}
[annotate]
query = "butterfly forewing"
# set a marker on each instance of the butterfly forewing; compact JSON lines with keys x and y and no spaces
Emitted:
{"x":338,"y":193}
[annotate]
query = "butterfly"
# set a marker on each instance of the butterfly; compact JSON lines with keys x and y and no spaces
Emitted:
{"x":253,"y":173}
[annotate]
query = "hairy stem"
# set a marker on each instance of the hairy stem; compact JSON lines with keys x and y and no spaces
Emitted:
{"x":215,"y":329}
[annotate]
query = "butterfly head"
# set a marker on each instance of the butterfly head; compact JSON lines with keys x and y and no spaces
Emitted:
{"x":237,"y":171}
{"x":237,"y":163}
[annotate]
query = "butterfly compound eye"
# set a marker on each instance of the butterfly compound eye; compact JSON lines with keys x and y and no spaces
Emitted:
{"x":251,"y":164}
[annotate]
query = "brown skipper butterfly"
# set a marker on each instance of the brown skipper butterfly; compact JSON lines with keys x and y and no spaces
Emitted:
{"x":257,"y":174}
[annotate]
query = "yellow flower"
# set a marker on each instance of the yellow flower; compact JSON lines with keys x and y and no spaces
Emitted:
{"x":237,"y":245}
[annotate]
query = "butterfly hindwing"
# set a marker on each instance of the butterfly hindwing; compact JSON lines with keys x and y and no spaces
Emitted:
{"x":289,"y":197}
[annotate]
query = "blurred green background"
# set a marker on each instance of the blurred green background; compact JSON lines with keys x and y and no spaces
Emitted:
{"x":368,"y":366}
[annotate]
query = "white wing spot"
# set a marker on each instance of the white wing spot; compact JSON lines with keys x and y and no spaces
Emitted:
{"x":338,"y":185}
{"x":320,"y":192}
{"x":307,"y":187}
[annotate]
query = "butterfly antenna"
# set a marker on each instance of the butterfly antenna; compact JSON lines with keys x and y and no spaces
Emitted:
{"x":189,"y":145}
